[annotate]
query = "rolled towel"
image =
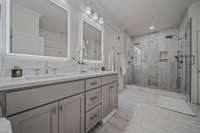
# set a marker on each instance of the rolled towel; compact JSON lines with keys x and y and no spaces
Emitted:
{"x":5,"y":126}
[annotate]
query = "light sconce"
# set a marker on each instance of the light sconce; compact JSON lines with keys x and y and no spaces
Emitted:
{"x":101,"y":21}
{"x":95,"y":16}
{"x":88,"y":10}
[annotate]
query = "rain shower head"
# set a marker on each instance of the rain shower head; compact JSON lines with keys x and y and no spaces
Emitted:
{"x":169,"y":36}
{"x":137,"y":43}
{"x":173,"y":36}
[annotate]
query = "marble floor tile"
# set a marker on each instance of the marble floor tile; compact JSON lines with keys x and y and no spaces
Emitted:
{"x":139,"y":112}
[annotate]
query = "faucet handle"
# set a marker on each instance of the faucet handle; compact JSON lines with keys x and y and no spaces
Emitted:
{"x":55,"y":70}
{"x":37,"y":71}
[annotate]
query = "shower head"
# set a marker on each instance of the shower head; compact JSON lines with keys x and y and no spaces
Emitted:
{"x":137,"y":43}
{"x":172,"y":36}
{"x":169,"y":36}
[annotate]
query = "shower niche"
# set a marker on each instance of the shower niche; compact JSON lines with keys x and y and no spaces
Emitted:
{"x":163,"y":56}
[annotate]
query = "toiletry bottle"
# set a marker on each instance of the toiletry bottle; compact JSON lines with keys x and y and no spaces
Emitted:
{"x":16,"y":72}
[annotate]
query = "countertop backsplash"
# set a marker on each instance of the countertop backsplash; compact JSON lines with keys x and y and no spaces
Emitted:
{"x":5,"y":72}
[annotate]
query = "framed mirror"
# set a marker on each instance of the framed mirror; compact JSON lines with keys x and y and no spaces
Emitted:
{"x":92,"y":42}
{"x":39,"y":28}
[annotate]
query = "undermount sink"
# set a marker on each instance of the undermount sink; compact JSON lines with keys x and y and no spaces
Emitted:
{"x":50,"y":76}
{"x":42,"y":77}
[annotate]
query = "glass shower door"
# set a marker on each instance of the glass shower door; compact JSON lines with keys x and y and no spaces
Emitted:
{"x":188,"y":61}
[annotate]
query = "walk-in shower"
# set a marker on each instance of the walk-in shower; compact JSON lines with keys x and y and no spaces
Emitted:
{"x":158,"y":61}
{"x":179,"y":59}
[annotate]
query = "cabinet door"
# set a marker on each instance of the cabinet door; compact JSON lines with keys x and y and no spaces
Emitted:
{"x":105,"y":101}
{"x":71,"y":115}
{"x":113,"y":97}
{"x":39,"y":120}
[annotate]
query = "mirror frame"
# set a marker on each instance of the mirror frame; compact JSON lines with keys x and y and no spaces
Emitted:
{"x":94,"y":24}
{"x":7,"y":42}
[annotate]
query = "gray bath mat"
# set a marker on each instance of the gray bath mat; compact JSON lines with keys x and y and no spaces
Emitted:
{"x":177,"y":105}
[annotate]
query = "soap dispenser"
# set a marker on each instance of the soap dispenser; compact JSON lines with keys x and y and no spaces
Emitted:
{"x":16,"y":72}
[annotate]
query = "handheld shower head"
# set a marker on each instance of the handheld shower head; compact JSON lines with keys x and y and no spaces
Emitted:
{"x":169,"y":36}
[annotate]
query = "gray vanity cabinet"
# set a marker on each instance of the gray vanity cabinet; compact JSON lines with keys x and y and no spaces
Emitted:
{"x":57,"y":108}
{"x":71,"y":115}
{"x":113,"y":96}
{"x":65,"y":116}
{"x":105,"y":101}
{"x":109,"y":98}
{"x":39,"y":120}
{"x":66,"y":107}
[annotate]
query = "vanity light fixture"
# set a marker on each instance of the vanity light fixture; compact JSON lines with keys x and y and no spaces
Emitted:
{"x":101,"y":21}
{"x":95,"y":16}
{"x":88,"y":10}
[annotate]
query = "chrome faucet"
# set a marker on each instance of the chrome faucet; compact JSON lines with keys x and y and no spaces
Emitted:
{"x":81,"y":63}
{"x":46,"y":67}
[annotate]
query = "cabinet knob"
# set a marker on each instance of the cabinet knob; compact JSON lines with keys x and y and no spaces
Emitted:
{"x":54,"y":110}
{"x":93,"y":98}
{"x":111,"y":87}
{"x":94,"y":116}
{"x":94,"y":83}
{"x":61,"y":108}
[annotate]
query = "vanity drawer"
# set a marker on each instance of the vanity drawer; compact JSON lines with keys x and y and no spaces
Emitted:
{"x":109,"y":79}
{"x":92,"y":118}
{"x":92,"y":83}
{"x":93,"y":98}
{"x":23,"y":100}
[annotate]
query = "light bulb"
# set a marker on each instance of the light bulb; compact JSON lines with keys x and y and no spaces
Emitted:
{"x":101,"y":21}
{"x":95,"y":16}
{"x":88,"y":10}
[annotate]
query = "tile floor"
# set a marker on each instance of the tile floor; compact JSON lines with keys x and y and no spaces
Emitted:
{"x":139,"y":113}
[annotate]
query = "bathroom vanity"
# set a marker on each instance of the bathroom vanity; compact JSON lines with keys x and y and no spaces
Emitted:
{"x":65,"y":104}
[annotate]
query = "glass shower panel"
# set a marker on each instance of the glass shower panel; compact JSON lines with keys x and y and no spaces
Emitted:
{"x":146,"y":62}
{"x":188,"y":61}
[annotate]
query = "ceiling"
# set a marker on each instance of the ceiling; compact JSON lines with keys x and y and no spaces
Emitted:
{"x":136,"y":16}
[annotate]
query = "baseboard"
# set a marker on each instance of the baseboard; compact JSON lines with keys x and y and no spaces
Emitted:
{"x":107,"y":118}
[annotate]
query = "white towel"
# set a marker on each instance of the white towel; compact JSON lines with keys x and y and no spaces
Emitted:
{"x":5,"y":126}
{"x":124,"y":64}
{"x":112,"y":60}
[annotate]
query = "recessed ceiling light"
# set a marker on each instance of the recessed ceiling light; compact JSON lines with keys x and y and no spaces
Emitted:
{"x":151,"y":27}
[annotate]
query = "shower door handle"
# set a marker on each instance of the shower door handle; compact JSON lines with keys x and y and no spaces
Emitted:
{"x":193,"y":60}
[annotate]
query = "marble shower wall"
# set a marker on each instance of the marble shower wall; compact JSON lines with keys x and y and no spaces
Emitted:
{"x":148,"y":69}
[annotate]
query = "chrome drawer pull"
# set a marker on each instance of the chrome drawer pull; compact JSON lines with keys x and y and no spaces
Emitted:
{"x":94,"y":83}
{"x":93,"y":98}
{"x":61,"y":108}
{"x":54,"y":110}
{"x":111,"y":87}
{"x":94,"y":116}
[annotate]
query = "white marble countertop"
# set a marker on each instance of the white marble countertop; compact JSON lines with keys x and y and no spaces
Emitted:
{"x":25,"y":82}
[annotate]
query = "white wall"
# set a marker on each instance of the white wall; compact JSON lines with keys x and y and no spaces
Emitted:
{"x":194,"y":14}
{"x":1,"y":35}
{"x":111,"y":40}
{"x":111,"y":34}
